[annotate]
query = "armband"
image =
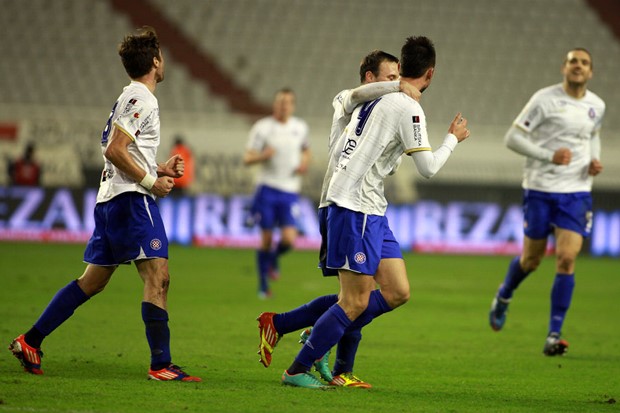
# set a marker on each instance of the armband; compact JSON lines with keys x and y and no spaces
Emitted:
{"x":148,"y":181}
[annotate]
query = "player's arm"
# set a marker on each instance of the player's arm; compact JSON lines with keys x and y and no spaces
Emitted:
{"x":305,"y":161}
{"x":429,"y":162}
{"x":117,"y":152}
{"x":518,"y":141}
{"x":252,"y":156}
{"x":595,"y":167}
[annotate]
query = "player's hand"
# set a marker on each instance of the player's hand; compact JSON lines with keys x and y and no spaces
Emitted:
{"x":162,"y":186}
{"x":174,"y":167}
{"x":267,"y":153}
{"x":595,"y":168}
{"x":458,"y":127}
{"x":410,"y":91}
{"x":562,"y":156}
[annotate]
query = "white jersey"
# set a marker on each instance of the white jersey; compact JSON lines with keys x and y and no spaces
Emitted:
{"x":288,"y":140}
{"x":136,"y":113}
{"x":339,"y":122}
{"x":379,"y":132}
{"x":553,"y":119}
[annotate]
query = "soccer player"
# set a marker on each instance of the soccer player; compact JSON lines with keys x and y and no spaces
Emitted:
{"x":279,"y":143}
{"x":128,"y":226}
{"x":558,"y":133}
{"x":358,"y":234}
{"x":377,"y":66}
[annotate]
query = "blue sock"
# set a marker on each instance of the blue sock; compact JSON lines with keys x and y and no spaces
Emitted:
{"x":347,"y":349}
{"x":263,"y":260}
{"x":304,"y":316}
{"x":59,"y":309}
{"x":376,"y":306}
{"x":561,"y":295}
{"x":514,"y":277}
{"x":347,"y":346}
{"x":327,"y":331}
{"x":275,"y":255}
{"x":157,"y":334}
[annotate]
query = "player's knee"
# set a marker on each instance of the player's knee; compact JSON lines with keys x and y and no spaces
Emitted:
{"x":397,"y":297}
{"x":530,"y":263}
{"x":565,"y":263}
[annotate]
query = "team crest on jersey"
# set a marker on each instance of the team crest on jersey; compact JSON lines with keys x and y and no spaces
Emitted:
{"x":591,"y":113}
{"x":155,"y":244}
{"x":360,"y":257}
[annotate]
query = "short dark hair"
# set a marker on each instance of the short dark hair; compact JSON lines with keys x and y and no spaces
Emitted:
{"x":138,"y":50}
{"x":373,"y":60}
{"x":417,"y":56}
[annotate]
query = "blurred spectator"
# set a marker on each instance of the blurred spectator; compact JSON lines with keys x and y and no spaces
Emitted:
{"x":181,"y":148}
{"x":25,"y":171}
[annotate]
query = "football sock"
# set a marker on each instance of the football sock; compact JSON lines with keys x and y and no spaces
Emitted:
{"x":514,"y":277}
{"x":282,"y":248}
{"x":303,"y":316}
{"x":376,"y":306}
{"x":347,"y":346}
{"x":345,"y":354}
{"x":59,"y":309}
{"x":561,"y":295}
{"x":327,"y":331}
{"x":157,"y":334}
{"x":263,"y":261}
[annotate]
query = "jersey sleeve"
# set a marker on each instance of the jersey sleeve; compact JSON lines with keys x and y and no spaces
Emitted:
{"x":257,"y":139}
{"x":133,"y":116}
{"x":532,"y":115}
{"x":412,"y":129}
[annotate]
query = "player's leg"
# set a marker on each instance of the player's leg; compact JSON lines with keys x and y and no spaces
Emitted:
{"x":355,"y":291}
{"x":394,"y":291}
{"x":537,"y":216}
{"x":287,"y":214}
{"x":573,"y":220}
{"x":264,"y":259}
{"x":27,"y":347}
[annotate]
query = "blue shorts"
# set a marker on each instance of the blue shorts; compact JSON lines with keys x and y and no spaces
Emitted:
{"x":128,"y":227}
{"x":274,"y":208}
{"x":323,"y":248}
{"x":543,"y":211}
{"x":358,"y":242}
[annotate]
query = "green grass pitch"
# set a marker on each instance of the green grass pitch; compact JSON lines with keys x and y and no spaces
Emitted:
{"x":435,"y":354}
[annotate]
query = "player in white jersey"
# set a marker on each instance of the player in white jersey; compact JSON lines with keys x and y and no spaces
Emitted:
{"x":358,"y":234}
{"x":558,"y":133}
{"x":128,"y":226}
{"x":279,"y":143}
{"x":378,"y":74}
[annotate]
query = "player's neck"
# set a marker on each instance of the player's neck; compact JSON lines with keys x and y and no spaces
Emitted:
{"x":575,"y":90}
{"x":148,"y":81}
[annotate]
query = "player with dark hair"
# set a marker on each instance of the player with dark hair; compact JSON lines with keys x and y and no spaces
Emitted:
{"x":379,"y":74}
{"x":128,"y":226}
{"x":558,"y":133}
{"x":358,"y":235}
{"x":279,"y":143}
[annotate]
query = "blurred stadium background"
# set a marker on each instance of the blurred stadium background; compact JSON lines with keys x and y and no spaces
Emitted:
{"x":60,"y":74}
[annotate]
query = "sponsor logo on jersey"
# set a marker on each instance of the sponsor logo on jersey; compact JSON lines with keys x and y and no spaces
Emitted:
{"x":415,"y":119}
{"x":417,"y":134}
{"x":136,"y":115}
{"x":133,"y":101}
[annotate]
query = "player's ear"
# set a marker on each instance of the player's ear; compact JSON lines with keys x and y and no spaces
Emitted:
{"x":430,"y":72}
